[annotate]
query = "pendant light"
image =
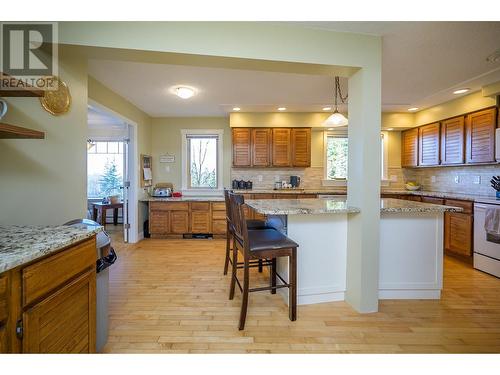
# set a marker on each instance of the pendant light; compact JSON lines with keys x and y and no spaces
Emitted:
{"x":337,"y":119}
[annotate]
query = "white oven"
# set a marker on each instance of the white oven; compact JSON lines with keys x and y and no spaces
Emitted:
{"x":486,"y":253}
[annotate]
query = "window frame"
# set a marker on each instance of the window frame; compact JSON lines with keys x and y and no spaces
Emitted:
{"x":107,"y":140}
{"x":185,"y":159}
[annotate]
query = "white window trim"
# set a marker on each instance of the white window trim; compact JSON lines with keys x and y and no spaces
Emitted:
{"x":341,"y":133}
{"x":326,"y":181}
{"x":220,"y":161}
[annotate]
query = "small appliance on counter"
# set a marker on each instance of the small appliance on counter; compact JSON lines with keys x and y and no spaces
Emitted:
{"x":295,"y":181}
{"x":163,"y":190}
{"x":242,"y":185}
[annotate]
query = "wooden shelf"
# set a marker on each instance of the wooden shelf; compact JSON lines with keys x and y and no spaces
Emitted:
{"x":28,"y":91}
{"x":16,"y":132}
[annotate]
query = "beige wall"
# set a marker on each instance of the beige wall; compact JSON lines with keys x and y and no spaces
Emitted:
{"x":43,"y":182}
{"x":166,"y":139}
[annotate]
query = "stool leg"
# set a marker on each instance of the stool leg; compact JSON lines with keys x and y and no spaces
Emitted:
{"x":234,"y":269}
{"x":228,"y":249}
{"x":244,"y":302}
{"x":292,"y":290}
{"x":272,"y":275}
{"x":260,"y":265}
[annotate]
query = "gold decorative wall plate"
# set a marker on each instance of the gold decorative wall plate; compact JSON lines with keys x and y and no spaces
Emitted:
{"x":57,"y":102}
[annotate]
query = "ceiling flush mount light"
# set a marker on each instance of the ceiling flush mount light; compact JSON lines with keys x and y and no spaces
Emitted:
{"x":282,"y":109}
{"x":413,"y":109}
{"x":337,"y":119}
{"x":184,"y":92}
{"x":461,"y":91}
{"x":327,"y":108}
{"x":236,"y":109}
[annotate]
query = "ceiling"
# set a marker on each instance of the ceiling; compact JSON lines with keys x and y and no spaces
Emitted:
{"x":99,"y":119}
{"x":423,"y":62}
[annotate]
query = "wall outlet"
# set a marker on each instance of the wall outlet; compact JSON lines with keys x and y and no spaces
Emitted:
{"x":477,"y":180}
{"x":457,"y":179}
{"x":394,"y":178}
{"x":259,"y":178}
{"x":433,"y":178}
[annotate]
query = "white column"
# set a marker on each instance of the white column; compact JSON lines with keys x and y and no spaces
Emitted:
{"x":363,"y":190}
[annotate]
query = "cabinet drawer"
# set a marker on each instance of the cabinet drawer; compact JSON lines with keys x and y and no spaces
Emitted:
{"x":433,"y":200}
{"x":415,"y":198}
{"x":263,"y":196}
{"x":41,"y":278}
{"x":306,"y":196}
{"x":285,"y":196}
{"x":159,"y":206}
{"x":200,"y":206}
{"x":3,"y":299}
{"x":219,"y":206}
{"x":219,"y":215}
{"x":178,"y":206}
{"x":466,"y":205}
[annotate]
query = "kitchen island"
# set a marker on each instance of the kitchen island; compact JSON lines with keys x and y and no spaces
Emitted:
{"x":411,"y":246}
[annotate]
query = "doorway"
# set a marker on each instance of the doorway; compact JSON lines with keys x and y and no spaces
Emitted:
{"x":108,"y":175}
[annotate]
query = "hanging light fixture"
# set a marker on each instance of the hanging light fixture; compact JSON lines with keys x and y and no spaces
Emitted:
{"x":337,"y":119}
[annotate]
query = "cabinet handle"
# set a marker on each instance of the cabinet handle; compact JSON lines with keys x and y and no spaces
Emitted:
{"x":19,"y":329}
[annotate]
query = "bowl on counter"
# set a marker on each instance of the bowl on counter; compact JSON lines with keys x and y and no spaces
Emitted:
{"x":412,"y":187}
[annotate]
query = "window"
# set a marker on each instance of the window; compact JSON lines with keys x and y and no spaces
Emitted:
{"x":201,"y":159}
{"x":104,"y":169}
{"x":336,"y":157}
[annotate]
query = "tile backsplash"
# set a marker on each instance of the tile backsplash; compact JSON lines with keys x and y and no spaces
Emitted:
{"x":465,"y":180}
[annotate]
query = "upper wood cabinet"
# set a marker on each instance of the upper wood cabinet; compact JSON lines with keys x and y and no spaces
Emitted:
{"x":301,"y":147}
{"x":453,"y":141}
{"x":261,"y":147}
{"x":409,"y":148}
{"x":271,"y":147}
{"x":480,"y":136}
{"x":242,"y":152}
{"x":281,"y":147}
{"x":428,"y":144}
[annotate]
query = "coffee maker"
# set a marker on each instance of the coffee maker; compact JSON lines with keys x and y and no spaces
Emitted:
{"x":295,"y":181}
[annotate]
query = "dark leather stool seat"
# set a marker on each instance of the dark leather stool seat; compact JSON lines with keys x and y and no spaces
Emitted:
{"x":269,"y":239}
{"x":257,"y":224}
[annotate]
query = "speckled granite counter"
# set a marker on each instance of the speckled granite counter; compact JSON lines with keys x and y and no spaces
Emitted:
{"x":300,"y":206}
{"x":292,"y":191}
{"x":440,"y":194}
{"x":207,"y":198}
{"x":23,"y":244}
{"x":335,"y":206}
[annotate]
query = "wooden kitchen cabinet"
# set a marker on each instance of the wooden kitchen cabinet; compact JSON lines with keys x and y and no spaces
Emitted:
{"x":409,"y":148}
{"x":428,"y":144}
{"x":179,"y":222}
{"x":458,"y":233}
{"x":301,"y":147}
{"x":433,"y":200}
{"x":281,"y":147}
{"x":261,"y":147}
{"x":200,"y":217}
{"x":480,"y":136}
{"x":219,"y":225}
{"x":242,"y":152}
{"x":453,"y":141}
{"x":4,"y":313}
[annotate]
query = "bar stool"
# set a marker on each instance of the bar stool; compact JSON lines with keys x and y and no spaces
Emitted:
{"x":260,"y":244}
{"x":251,"y":224}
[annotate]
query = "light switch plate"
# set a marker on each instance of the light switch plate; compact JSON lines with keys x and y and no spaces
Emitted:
{"x":477,"y":180}
{"x":259,"y":178}
{"x":433,"y":178}
{"x":457,"y":179}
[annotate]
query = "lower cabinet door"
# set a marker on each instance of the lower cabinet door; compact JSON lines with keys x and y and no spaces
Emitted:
{"x":179,"y":222}
{"x":159,"y":222}
{"x":64,"y":322}
{"x":219,"y":226}
{"x":3,"y":339}
{"x":200,"y":222}
{"x":458,"y":233}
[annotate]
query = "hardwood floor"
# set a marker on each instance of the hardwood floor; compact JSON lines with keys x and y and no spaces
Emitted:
{"x":169,"y":296}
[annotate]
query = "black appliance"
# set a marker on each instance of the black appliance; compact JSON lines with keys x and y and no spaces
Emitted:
{"x":235,"y":184}
{"x":295,"y":181}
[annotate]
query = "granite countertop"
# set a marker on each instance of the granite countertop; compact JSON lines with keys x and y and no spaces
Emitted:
{"x":291,"y":191}
{"x":441,"y":194}
{"x":332,"y":206}
{"x":22,"y":244}
{"x":206,"y":198}
{"x":300,"y":206}
{"x":390,"y":205}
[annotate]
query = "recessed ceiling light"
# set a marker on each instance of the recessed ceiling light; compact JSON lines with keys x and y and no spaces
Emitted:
{"x":413,"y":109}
{"x":184,"y":92}
{"x":236,"y":109}
{"x":282,"y":109}
{"x":327,"y":108}
{"x":461,"y":91}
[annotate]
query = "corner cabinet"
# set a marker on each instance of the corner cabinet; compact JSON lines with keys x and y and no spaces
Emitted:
{"x":453,"y":141}
{"x":480,"y":136}
{"x":409,"y":148}
{"x":428,"y":144}
{"x":271,"y":147}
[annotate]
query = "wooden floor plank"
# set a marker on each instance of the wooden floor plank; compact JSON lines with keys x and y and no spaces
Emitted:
{"x":170,"y":296}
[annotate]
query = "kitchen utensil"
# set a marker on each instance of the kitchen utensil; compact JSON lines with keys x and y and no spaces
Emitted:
{"x":277,"y":185}
{"x":162,"y":192}
{"x":235,"y":184}
{"x":248,"y":185}
{"x":241,"y":184}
